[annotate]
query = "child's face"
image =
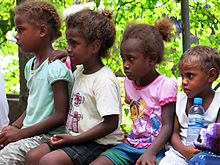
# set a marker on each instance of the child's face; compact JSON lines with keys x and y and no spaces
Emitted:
{"x":78,"y":49}
{"x":27,"y":35}
{"x":194,"y":81}
{"x":136,"y":66}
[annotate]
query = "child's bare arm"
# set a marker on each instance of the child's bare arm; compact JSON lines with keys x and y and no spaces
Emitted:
{"x":61,"y":101}
{"x":19,"y":122}
{"x":62,"y":55}
{"x":58,"y":54}
{"x":106,"y":127}
{"x":149,"y":156}
{"x":175,"y":138}
{"x":187,"y":151}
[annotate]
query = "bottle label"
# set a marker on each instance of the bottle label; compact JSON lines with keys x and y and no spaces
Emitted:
{"x":195,"y":120}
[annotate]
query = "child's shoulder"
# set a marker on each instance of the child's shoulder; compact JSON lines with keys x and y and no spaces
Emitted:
{"x":216,"y":99}
{"x":165,"y":79}
{"x":181,"y":95}
{"x":217,"y":94}
{"x":58,"y":70}
{"x":103,"y":73}
{"x":105,"y":76}
{"x":58,"y":65}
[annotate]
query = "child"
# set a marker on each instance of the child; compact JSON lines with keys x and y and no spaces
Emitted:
{"x":151,"y":96}
{"x":199,"y":67}
{"x":38,"y":24}
{"x":95,"y":112}
{"x":3,"y":104}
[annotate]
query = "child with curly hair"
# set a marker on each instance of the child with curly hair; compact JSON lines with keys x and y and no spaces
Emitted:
{"x":38,"y":25}
{"x":151,"y":96}
{"x":95,"y":112}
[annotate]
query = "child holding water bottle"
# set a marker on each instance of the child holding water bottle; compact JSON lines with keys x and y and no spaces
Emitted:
{"x":199,"y":67}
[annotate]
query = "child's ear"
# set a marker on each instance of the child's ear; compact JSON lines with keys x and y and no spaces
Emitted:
{"x":153,"y":58}
{"x":43,"y":30}
{"x":96,"y":45}
{"x":212,"y":74}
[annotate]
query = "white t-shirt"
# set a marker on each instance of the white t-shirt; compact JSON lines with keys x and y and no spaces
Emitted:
{"x":210,"y":115}
{"x":4,"y":110}
{"x":93,"y":97}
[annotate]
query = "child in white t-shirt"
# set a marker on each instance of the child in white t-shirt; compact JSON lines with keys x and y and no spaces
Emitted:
{"x":94,"y":117}
{"x":199,"y":67}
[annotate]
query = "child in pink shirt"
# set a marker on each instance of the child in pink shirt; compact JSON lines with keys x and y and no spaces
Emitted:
{"x":151,"y":96}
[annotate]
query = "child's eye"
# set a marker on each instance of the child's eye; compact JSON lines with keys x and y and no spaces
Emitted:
{"x":190,"y":76}
{"x":71,"y":42}
{"x":19,"y":29}
{"x":130,"y":58}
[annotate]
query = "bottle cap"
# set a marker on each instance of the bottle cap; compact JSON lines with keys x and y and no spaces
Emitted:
{"x":198,"y":100}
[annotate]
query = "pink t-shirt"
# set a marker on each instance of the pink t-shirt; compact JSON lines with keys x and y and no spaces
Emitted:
{"x":147,"y":118}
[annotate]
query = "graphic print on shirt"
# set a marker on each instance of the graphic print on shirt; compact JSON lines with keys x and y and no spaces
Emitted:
{"x":144,"y":121}
{"x":78,"y":99}
{"x":73,"y":116}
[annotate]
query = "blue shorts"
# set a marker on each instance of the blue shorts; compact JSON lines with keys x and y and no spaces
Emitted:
{"x":83,"y":154}
{"x":126,"y":154}
{"x":205,"y":158}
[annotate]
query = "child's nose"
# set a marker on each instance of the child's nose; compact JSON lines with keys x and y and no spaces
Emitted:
{"x":68,"y":49}
{"x":16,"y":36}
{"x":125,"y":65}
{"x":184,"y":82}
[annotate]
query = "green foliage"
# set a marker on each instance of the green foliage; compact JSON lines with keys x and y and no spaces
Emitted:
{"x":204,"y":27}
{"x":6,"y":21}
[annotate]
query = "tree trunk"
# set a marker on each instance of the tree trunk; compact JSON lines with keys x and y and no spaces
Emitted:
{"x":185,"y":24}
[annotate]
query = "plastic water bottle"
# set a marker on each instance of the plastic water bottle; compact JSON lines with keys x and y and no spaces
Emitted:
{"x":195,"y":121}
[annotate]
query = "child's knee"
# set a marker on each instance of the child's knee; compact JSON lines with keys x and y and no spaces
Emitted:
{"x":31,"y":156}
{"x":102,"y":160}
{"x":45,"y":160}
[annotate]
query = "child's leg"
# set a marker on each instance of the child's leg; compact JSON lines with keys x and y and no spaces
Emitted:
{"x":33,"y":156}
{"x":56,"y":157}
{"x":173,"y":157}
{"x":120,"y":154}
{"x":14,"y":153}
{"x":76,"y":154}
{"x":102,"y":160}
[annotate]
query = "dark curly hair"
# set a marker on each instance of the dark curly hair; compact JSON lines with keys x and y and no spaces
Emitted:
{"x":152,"y":36}
{"x":93,"y":26}
{"x":37,"y":13}
{"x":203,"y":56}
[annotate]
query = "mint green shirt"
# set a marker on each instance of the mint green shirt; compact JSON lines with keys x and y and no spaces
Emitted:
{"x":39,"y":82}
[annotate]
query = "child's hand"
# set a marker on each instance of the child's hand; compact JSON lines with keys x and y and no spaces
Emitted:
{"x":9,"y":127}
{"x":147,"y":159}
{"x":61,"y":140}
{"x":58,"y":54}
{"x":191,"y":151}
{"x":9,"y":136}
